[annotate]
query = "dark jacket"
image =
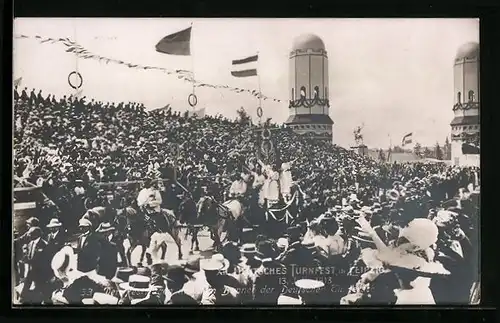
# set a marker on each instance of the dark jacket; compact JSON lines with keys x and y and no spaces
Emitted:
{"x":108,"y":260}
{"x":38,"y":270}
{"x":88,"y":250}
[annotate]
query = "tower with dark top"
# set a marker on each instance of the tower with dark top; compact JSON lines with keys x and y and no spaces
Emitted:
{"x":309,"y":105}
{"x":465,"y":124}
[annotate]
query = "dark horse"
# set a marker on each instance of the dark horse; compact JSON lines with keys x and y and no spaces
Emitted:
{"x":128,"y":224}
{"x":220,"y":218}
{"x":189,"y":215}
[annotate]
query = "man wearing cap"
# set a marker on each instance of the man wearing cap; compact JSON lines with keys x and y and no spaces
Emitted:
{"x":55,"y":239}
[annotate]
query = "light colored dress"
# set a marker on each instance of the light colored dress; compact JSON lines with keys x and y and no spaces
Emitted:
{"x":285,"y":179}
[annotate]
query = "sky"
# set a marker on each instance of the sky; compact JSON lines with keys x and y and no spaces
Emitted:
{"x":393,"y":76}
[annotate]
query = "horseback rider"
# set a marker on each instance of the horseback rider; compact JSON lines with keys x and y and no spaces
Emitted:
{"x":149,"y":201}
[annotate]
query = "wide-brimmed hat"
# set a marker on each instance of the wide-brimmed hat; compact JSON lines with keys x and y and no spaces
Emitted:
{"x":309,"y":284}
{"x":84,"y":223}
{"x":54,"y":223}
{"x":137,"y":283}
{"x":248,"y":248}
{"x":176,"y":273}
{"x":216,"y":263}
{"x":64,"y":260}
{"x":105,"y":227}
{"x":122,"y":275}
{"x":192,"y":264}
{"x":104,"y":299}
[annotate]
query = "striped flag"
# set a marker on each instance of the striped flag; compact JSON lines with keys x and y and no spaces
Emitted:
{"x":245,"y":67}
{"x":176,"y":44}
{"x":407,"y":139}
{"x":17,"y":81}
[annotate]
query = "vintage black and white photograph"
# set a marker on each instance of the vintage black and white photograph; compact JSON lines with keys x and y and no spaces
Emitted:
{"x":196,"y":161}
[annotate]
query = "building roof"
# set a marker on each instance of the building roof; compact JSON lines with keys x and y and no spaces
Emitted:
{"x":464,"y":120}
{"x":309,"y":119}
{"x":468,"y":50}
{"x":308,"y":41}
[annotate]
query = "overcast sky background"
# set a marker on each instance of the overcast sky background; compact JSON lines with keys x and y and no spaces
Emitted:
{"x":393,"y":75}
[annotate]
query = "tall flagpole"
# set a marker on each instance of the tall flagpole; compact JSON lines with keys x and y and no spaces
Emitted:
{"x":258,"y":81}
{"x":193,"y":92}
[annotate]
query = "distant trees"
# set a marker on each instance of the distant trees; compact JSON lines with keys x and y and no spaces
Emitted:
{"x":243,"y":116}
{"x":417,"y":150}
{"x":438,"y":152}
{"x":381,"y":155}
{"x":397,"y":149}
{"x":427,"y":153}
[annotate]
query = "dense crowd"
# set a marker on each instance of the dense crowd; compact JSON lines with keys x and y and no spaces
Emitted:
{"x":367,"y":232}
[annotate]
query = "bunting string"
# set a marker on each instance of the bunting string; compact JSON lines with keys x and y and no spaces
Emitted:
{"x":81,"y":52}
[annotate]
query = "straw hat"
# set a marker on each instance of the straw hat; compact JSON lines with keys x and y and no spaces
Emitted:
{"x":104,"y":299}
{"x":216,"y":263}
{"x":54,"y":223}
{"x":84,"y":223}
{"x":104,"y":228}
{"x":63,"y":261}
{"x":308,"y":284}
{"x":137,"y":283}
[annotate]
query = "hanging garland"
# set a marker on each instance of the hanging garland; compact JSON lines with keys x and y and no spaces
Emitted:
{"x":184,"y":75}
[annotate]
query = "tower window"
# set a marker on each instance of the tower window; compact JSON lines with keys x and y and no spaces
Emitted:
{"x":326,"y":92}
{"x":471,"y":96}
{"x":459,"y":97}
{"x":303,"y":92}
{"x":293,"y":94}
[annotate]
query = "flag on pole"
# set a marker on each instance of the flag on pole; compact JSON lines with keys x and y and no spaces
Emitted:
{"x":407,"y":139}
{"x":245,"y":67}
{"x":176,"y":44}
{"x":17,"y":81}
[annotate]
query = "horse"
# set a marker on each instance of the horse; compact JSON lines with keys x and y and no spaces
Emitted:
{"x":165,"y":224}
{"x":128,"y":224}
{"x":188,"y":214}
{"x":219,"y":217}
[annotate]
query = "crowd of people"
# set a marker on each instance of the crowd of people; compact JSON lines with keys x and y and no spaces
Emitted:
{"x":367,"y":233}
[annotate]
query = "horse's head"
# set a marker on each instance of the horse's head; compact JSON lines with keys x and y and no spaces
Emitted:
{"x":205,"y":204}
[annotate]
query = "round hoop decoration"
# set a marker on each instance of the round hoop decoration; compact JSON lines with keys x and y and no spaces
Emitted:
{"x":266,"y":147}
{"x":76,"y":87}
{"x":266,"y":134}
{"x":259,"y":112}
{"x":192,"y":100}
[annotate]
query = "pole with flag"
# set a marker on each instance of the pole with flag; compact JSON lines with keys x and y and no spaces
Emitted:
{"x":179,"y":43}
{"x":407,"y":139}
{"x":247,"y":67}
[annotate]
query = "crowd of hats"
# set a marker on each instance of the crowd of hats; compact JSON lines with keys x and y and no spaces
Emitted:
{"x":67,"y":145}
